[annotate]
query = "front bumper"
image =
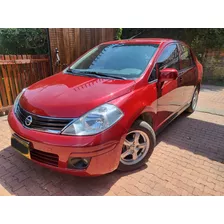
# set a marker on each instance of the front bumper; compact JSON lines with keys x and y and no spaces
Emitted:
{"x":103,"y":149}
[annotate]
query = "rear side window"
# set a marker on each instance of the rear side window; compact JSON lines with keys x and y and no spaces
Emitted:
{"x":185,"y":57}
{"x":169,"y":58}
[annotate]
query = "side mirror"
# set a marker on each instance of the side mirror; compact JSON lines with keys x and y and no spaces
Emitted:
{"x":168,"y":74}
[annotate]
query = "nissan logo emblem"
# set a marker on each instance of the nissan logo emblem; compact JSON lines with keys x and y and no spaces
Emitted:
{"x":28,"y":120}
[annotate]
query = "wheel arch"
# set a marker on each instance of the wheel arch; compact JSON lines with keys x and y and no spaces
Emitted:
{"x":148,"y":117}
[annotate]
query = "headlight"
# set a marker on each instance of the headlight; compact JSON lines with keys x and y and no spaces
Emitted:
{"x":16,"y":102}
{"x":95,"y":121}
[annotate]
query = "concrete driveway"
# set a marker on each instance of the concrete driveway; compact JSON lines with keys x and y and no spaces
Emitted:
{"x":188,"y":160}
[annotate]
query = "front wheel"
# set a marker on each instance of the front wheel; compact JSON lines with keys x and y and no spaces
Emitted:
{"x":138,"y":146}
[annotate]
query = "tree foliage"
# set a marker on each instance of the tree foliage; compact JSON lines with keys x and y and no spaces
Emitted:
{"x":201,"y":40}
{"x":23,"y":41}
{"x":119,"y":33}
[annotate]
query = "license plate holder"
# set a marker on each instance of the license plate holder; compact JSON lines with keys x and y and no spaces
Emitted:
{"x":21,"y":145}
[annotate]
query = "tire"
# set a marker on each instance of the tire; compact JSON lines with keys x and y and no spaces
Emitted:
{"x":193,"y":104}
{"x":146,"y":133}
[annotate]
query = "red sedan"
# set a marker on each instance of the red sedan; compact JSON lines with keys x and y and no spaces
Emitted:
{"x":103,"y":112}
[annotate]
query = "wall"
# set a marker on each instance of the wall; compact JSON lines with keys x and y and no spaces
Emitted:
{"x":213,"y":65}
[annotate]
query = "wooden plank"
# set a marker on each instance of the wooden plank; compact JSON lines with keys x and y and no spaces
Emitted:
{"x":42,"y":69}
{"x":26,"y":72}
{"x":17,"y":70}
{"x":15,"y":74}
{"x":22,"y":73}
{"x":53,"y":45}
{"x":62,"y":49}
{"x":76,"y":44}
{"x":66,"y":49}
{"x":42,"y":75}
{"x":33,"y":68}
{"x":47,"y":66}
{"x":11,"y":78}
{"x":38,"y":73}
{"x":7,"y":85}
{"x":4,"y":101}
{"x":72,"y":45}
{"x":30,"y":72}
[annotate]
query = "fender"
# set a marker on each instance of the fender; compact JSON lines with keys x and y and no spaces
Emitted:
{"x":133,"y":108}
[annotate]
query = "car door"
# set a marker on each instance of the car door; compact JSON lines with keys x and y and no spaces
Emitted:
{"x":188,"y":72}
{"x":169,"y":93}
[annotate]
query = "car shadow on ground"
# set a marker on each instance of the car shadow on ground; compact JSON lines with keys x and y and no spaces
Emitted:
{"x":20,"y":176}
{"x":197,"y":136}
{"x":37,"y":180}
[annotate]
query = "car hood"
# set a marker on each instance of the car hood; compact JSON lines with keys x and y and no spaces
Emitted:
{"x":65,"y":95}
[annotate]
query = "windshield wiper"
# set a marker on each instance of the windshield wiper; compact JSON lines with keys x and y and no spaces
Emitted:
{"x":103,"y":74}
{"x":83,"y":73}
{"x":94,"y":74}
{"x":69,"y":70}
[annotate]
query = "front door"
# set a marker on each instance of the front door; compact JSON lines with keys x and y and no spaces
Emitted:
{"x":188,"y":72}
{"x":170,"y":94}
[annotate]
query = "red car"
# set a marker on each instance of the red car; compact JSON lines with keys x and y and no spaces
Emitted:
{"x":103,"y":112}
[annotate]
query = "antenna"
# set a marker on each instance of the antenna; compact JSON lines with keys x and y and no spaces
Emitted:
{"x":136,"y":35}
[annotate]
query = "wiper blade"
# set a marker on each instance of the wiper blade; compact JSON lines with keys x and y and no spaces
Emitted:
{"x":94,"y":74}
{"x":70,"y":70}
{"x":103,"y":74}
{"x":83,"y":73}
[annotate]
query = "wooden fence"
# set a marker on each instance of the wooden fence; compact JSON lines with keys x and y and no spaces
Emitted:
{"x":18,"y":72}
{"x":73,"y":42}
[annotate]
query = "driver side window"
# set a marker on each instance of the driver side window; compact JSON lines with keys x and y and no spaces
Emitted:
{"x":169,"y":58}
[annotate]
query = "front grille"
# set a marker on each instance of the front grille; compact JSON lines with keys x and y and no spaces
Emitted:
{"x":48,"y":124}
{"x":44,"y":157}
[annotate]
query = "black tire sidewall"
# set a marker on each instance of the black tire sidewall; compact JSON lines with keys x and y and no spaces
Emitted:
{"x":146,"y":128}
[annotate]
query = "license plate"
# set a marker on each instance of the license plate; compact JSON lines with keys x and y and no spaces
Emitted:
{"x":21,"y":145}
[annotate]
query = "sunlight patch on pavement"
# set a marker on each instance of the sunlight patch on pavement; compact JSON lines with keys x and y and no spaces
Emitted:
{"x":3,"y":191}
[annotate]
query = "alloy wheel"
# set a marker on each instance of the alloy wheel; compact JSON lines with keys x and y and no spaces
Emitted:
{"x":135,"y":147}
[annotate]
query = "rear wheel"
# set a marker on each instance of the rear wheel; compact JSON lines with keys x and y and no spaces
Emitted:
{"x":138,"y":146}
{"x":194,"y":102}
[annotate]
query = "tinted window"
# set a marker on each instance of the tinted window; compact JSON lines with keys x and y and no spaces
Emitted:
{"x":185,"y":57}
{"x":126,"y":60}
{"x":169,"y":58}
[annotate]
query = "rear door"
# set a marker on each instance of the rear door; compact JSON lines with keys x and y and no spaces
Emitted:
{"x":188,"y":72}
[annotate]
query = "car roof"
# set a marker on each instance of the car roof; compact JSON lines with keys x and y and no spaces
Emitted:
{"x":141,"y":41}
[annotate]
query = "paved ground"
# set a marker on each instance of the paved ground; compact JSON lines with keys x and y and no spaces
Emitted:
{"x":188,"y":160}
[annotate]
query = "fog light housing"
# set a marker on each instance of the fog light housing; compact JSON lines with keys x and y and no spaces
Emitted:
{"x":78,"y":163}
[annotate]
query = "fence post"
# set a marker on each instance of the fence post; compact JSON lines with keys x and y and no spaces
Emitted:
{"x":49,"y":50}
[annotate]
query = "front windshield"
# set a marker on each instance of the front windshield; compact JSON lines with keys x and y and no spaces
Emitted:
{"x":120,"y":60}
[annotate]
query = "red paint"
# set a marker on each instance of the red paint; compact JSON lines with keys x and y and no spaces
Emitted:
{"x":77,"y":94}
{"x":71,"y":96}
